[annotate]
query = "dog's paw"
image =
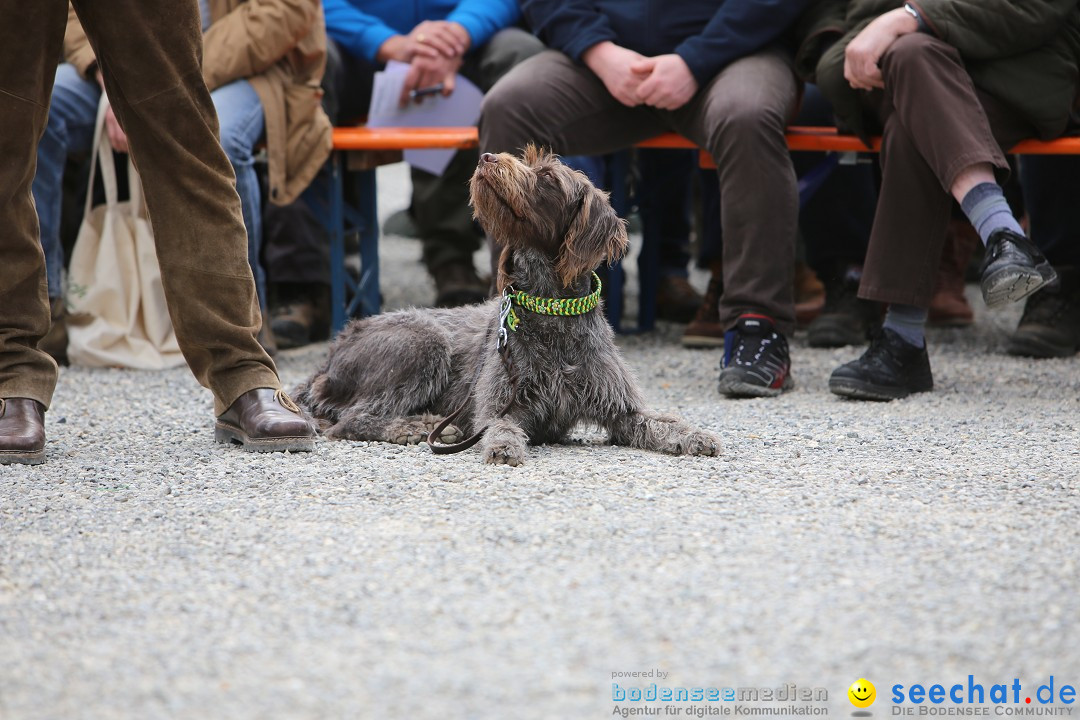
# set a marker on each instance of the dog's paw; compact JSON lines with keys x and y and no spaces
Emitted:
{"x":450,"y":434}
{"x":699,"y":443}
{"x":504,"y":455}
{"x":414,"y":430}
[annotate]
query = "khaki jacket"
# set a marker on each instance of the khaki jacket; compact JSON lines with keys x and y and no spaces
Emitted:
{"x":279,"y":46}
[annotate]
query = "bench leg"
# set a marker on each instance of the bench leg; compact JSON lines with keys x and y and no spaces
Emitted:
{"x":337,"y":244}
{"x":368,"y":287}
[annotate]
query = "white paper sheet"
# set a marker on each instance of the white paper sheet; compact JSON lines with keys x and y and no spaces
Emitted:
{"x":461,"y":108}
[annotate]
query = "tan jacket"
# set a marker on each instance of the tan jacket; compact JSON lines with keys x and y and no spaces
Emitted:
{"x":279,"y":46}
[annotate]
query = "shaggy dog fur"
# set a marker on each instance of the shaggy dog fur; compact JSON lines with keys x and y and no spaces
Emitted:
{"x":393,"y":377}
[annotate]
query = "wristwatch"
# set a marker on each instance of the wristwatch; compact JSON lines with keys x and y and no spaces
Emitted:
{"x":923,"y":27}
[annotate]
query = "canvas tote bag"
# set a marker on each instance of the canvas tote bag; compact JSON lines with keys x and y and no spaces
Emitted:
{"x":118,"y":316}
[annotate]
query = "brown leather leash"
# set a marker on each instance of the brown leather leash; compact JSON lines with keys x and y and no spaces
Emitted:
{"x":501,"y":349}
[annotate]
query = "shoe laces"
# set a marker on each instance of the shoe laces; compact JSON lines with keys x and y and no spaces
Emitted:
{"x":748,"y":348}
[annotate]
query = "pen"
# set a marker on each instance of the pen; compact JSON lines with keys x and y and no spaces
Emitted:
{"x":421,"y":92}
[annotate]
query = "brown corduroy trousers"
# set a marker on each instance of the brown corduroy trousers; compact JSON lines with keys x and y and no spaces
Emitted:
{"x":150,"y":53}
{"x":936,"y":123}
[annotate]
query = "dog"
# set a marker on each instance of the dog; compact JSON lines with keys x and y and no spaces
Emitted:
{"x":399,"y":376}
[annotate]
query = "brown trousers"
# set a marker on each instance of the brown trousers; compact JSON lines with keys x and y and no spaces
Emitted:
{"x":150,"y":53}
{"x":936,"y":123}
{"x":739,"y":117}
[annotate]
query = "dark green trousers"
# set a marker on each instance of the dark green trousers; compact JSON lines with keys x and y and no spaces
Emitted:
{"x":150,"y":53}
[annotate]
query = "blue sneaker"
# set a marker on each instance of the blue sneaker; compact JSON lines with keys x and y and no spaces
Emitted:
{"x":756,"y":361}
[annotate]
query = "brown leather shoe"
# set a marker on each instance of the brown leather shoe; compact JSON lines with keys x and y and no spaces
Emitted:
{"x":705,"y":330}
{"x":22,"y":431}
{"x":265,"y":420}
{"x":676,"y":299}
{"x":949,"y":306}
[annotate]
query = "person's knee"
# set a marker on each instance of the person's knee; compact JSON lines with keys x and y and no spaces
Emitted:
{"x":237,"y":146}
{"x":915,"y":52}
{"x":507,"y":49}
{"x":744,"y":120}
{"x":508,"y":99}
{"x":74,"y":101}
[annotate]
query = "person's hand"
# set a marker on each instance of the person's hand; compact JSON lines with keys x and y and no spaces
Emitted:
{"x":425,"y":72}
{"x":116,"y":134}
{"x":666,"y":81}
{"x":450,"y":39}
{"x":404,"y":48}
{"x":611,"y":63}
{"x":863,"y":54}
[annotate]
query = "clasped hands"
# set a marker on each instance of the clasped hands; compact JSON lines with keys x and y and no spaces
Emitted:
{"x":663,"y":81}
{"x":434,"y":49}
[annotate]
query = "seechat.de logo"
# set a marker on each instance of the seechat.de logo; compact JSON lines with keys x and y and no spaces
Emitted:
{"x":862,"y":693}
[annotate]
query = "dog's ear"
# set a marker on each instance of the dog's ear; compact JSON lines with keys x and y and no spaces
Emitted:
{"x":596,"y":234}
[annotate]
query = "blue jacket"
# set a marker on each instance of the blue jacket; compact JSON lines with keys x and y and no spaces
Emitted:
{"x":363,"y":31}
{"x":707,"y":34}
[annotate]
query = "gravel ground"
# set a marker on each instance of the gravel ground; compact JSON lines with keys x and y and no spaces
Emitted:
{"x":146,"y":572}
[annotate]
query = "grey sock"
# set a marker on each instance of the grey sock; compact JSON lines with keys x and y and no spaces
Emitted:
{"x":988,"y":210}
{"x":908,"y":322}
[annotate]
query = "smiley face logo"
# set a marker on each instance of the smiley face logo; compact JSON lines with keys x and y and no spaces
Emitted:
{"x":862,"y":693}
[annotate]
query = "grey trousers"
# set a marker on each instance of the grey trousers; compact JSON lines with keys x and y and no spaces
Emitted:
{"x":739,"y":117}
{"x":150,"y":54}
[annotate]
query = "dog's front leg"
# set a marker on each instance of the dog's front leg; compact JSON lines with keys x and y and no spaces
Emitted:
{"x":504,"y":443}
{"x":662,"y":433}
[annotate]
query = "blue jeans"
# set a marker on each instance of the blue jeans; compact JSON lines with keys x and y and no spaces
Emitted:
{"x":71,"y":129}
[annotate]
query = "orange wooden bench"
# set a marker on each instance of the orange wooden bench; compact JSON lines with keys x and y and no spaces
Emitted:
{"x":363,"y":149}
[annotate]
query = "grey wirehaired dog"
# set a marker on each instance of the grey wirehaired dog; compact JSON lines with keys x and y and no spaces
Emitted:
{"x":395,"y":377}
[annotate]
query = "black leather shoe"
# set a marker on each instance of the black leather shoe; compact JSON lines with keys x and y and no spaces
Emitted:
{"x":889,"y":369}
{"x":265,"y":420}
{"x":1050,"y":326}
{"x":22,"y":431}
{"x":1012,"y":269}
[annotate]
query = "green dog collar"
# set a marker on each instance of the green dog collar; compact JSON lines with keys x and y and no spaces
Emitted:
{"x":553,"y":306}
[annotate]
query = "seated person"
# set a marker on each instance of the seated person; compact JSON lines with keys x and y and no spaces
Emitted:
{"x":715,"y":72}
{"x":438,"y":38}
{"x":951,"y":83}
{"x":262,"y":62}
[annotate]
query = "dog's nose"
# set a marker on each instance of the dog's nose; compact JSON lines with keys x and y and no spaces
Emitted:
{"x":489,"y":158}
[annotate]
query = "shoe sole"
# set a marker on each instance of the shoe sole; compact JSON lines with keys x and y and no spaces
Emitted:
{"x":224,"y":433}
{"x":827,"y":340}
{"x":735,"y":388}
{"x":1015,"y":283}
{"x":1035,"y":348}
{"x":34,"y":457}
{"x":702,"y":341}
{"x":857,"y":390}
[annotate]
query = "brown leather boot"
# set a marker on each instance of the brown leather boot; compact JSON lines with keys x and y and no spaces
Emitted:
{"x":676,"y":299}
{"x":56,"y":341}
{"x":809,"y":294}
{"x":265,"y":420}
{"x":949,"y":306}
{"x":705,"y":330}
{"x":22,"y":431}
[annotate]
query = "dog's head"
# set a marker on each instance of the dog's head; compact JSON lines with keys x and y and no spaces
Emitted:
{"x":537,"y":202}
